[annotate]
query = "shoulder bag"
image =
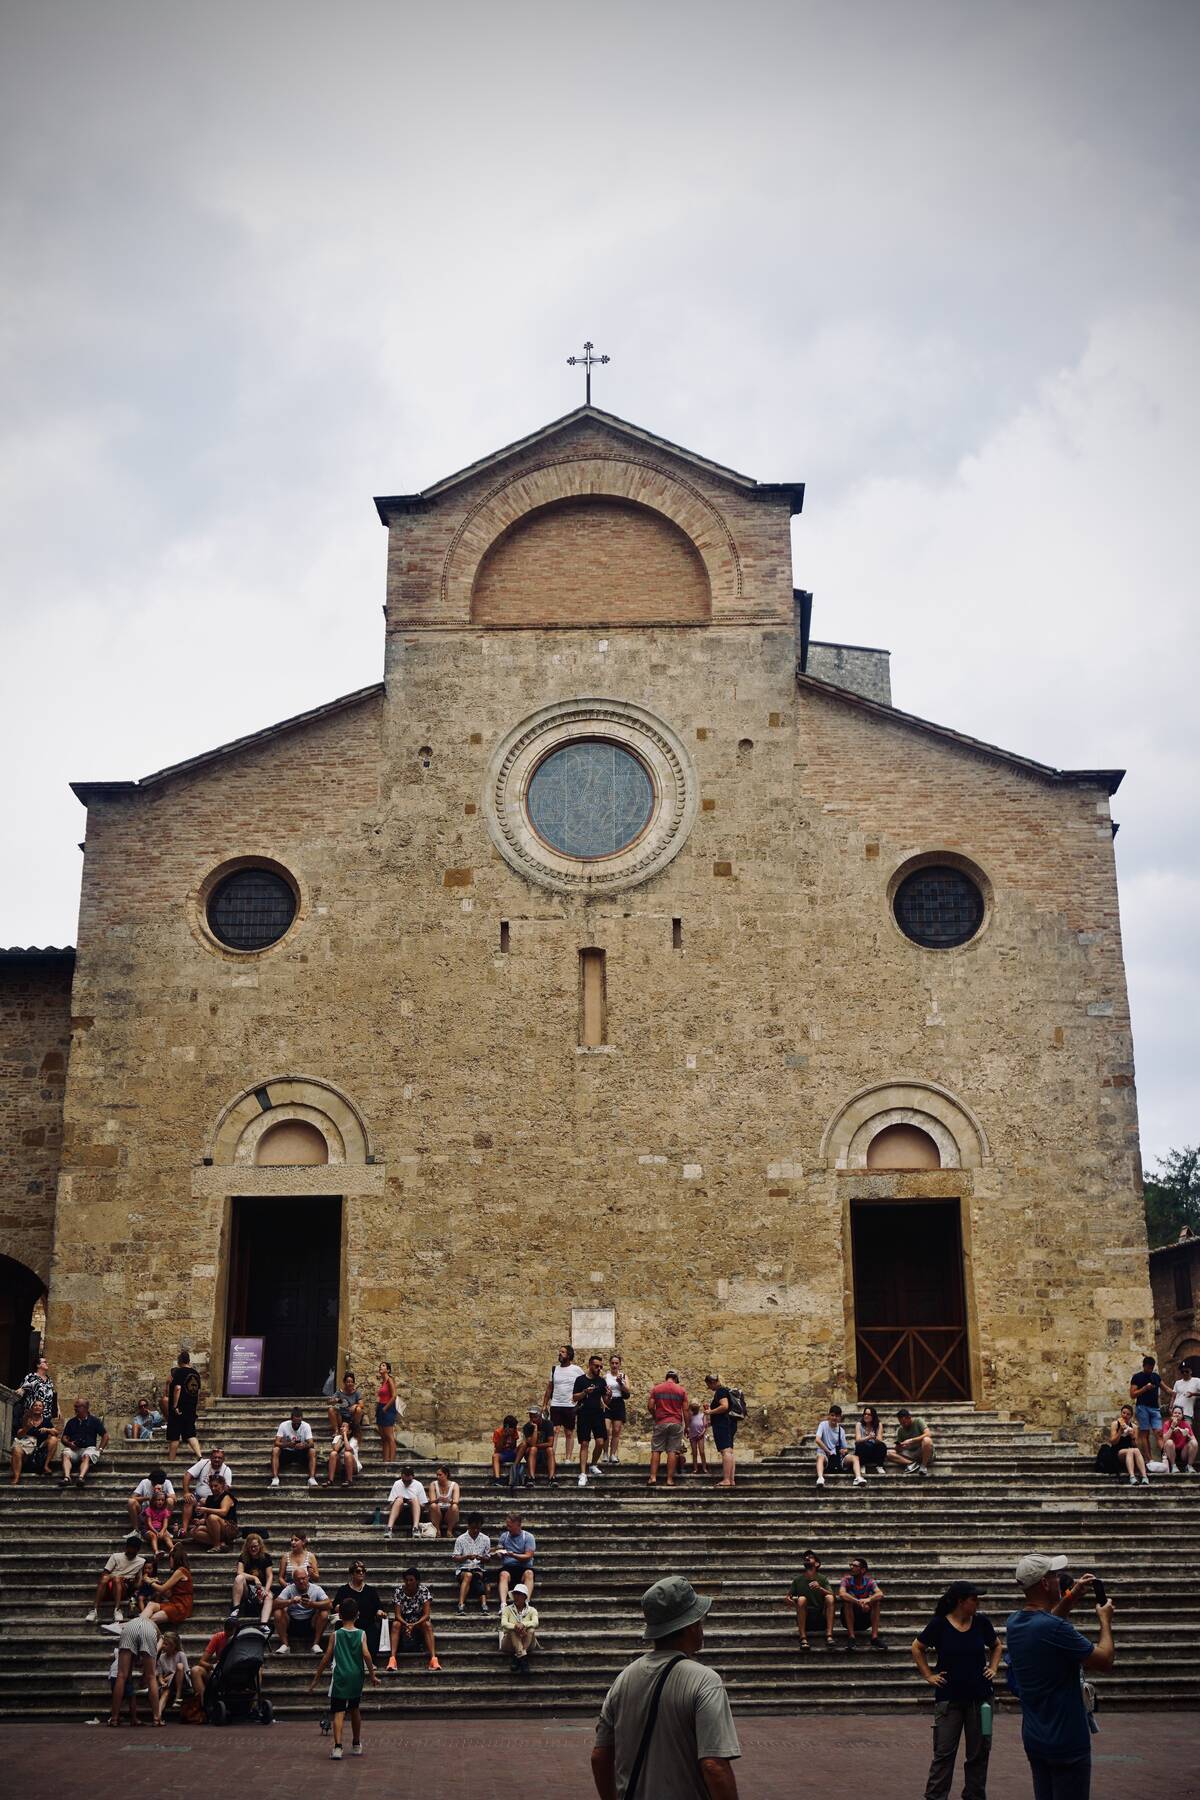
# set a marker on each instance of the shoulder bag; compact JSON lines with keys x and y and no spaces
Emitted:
{"x":648,"y":1733}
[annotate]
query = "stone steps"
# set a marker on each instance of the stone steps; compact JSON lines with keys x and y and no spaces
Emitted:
{"x":997,"y":1490}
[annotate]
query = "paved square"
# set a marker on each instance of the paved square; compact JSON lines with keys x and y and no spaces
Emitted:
{"x":877,"y":1754}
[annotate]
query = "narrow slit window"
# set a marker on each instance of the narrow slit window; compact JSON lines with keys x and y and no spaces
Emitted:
{"x":677,"y":934}
{"x":593,"y":1022}
{"x":504,"y":937}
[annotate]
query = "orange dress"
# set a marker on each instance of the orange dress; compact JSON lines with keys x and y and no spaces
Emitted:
{"x":178,"y":1603}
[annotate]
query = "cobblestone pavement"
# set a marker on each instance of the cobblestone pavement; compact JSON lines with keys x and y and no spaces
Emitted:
{"x":880,"y":1755}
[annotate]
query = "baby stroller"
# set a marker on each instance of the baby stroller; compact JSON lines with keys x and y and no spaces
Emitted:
{"x":234,"y":1689}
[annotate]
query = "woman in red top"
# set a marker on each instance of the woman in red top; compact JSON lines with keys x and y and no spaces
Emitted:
{"x":387,"y":1412}
{"x":1180,"y":1448}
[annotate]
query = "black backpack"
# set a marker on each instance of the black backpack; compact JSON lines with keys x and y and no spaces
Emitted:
{"x":737,"y":1403}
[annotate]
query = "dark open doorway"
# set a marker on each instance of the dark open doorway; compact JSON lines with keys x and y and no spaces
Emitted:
{"x":284,"y":1278}
{"x":909,"y":1310}
{"x":20,"y":1291}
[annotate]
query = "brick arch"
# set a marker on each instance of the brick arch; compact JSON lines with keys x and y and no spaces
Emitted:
{"x":951,"y":1124}
{"x":300,"y":1097}
{"x":608,"y":477}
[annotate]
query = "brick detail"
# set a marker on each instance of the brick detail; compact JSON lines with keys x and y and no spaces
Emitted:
{"x":592,"y":561}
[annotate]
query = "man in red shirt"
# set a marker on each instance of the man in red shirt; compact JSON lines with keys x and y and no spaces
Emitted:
{"x":668,"y":1403}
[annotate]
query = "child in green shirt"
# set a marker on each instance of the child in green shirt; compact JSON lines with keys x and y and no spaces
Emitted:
{"x":347,"y":1647}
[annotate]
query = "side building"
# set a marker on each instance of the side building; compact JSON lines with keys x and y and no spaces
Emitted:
{"x":623,"y":967}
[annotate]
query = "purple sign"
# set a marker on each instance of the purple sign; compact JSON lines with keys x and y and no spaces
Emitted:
{"x":245,"y":1366}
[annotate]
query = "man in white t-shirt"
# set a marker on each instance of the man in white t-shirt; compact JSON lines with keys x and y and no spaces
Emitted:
{"x":407,"y":1492}
{"x":144,"y":1491}
{"x":1184,"y":1393}
{"x":121,"y":1574}
{"x":294,"y":1444}
{"x":560,"y":1396}
{"x":472,"y":1552}
{"x":197,"y":1483}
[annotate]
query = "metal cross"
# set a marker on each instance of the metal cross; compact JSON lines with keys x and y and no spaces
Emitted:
{"x":588,"y":361}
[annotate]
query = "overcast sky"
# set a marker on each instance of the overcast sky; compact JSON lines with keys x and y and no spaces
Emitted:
{"x":263,"y":261}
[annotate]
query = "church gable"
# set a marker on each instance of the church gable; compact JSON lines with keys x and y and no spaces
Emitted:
{"x":590,"y":522}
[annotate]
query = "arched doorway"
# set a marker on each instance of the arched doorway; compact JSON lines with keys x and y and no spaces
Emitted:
{"x":909,"y":1301}
{"x":20,"y":1291}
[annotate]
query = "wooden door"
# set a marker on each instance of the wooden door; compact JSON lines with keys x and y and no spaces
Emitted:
{"x":909,"y":1306}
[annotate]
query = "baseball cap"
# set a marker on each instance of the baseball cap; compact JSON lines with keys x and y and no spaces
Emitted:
{"x":1033,"y":1566}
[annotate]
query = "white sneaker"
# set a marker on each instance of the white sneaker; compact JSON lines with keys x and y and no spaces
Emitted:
{"x":582,"y":1482}
{"x":118,"y":1616}
{"x":312,"y":1481}
{"x":274,"y":1481}
{"x":356,"y":1749}
{"x":1133,"y":1481}
{"x":281,"y":1649}
{"x":316,"y":1650}
{"x":1175,"y":1469}
{"x":927,"y":1472}
{"x":912,"y":1468}
{"x":859,"y":1481}
{"x":1145,"y":1481}
{"x":595,"y":1469}
{"x":1189,"y":1470}
{"x":89,"y":1618}
{"x":820,"y":1481}
{"x":335,"y":1755}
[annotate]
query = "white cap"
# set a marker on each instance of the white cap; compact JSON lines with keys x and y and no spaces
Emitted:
{"x":1034,"y":1566}
{"x":522,"y":1589}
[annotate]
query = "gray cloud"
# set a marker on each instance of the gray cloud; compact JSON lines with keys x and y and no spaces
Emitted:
{"x":266,"y":261}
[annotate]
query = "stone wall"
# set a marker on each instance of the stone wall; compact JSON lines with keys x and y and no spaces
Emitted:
{"x":696,"y":1173}
{"x":854,"y":667}
{"x":1175,"y":1285}
{"x":35,"y":1040}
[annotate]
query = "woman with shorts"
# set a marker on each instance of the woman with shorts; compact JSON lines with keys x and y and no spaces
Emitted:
{"x":1124,"y":1441}
{"x":614,"y":1405}
{"x":724,"y":1426}
{"x":347,"y":1647}
{"x":299,"y":1558}
{"x":387,"y":1412}
{"x":870,"y":1446}
{"x":253,"y":1581}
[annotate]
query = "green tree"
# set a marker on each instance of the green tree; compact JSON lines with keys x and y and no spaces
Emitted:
{"x":1173,"y":1196}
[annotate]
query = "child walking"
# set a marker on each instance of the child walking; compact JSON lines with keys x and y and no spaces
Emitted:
{"x":697,"y":1425}
{"x":348,"y":1648}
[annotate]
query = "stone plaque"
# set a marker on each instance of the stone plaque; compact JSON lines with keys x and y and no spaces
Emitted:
{"x":593,"y":1328}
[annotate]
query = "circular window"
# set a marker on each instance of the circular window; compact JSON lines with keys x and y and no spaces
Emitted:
{"x":250,"y":909}
{"x":589,"y":796}
{"x":589,"y":799}
{"x":938,"y":906}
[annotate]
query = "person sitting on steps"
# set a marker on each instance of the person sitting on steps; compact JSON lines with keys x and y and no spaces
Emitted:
{"x":833,"y":1449}
{"x":302,"y":1604}
{"x":811,"y":1591}
{"x":870,"y":1446}
{"x":1180,"y":1448}
{"x":444,"y":1496}
{"x":914,"y":1444}
{"x":1124,"y":1438}
{"x":407,"y":1496}
{"x":198,"y":1480}
{"x":85,"y":1437}
{"x":346,"y":1408}
{"x":294,"y":1444}
{"x":506,"y":1447}
{"x":253,"y":1581}
{"x":861,"y":1599}
{"x":412,"y":1621}
{"x":121,"y":1573}
{"x":144,"y":1490}
{"x":34,"y":1442}
{"x":145,"y":1422}
{"x":472,"y":1552}
{"x":518,"y":1628}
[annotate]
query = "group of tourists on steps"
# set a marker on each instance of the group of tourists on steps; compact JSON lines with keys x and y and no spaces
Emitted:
{"x":665,"y":1728}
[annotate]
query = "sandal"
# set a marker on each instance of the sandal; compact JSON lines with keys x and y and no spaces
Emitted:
{"x":804,"y":1645}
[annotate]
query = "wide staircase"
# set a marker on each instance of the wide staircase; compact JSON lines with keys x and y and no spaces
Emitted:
{"x":997,"y":1490}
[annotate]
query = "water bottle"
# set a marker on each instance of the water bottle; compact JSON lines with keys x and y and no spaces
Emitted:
{"x":985,"y":1719}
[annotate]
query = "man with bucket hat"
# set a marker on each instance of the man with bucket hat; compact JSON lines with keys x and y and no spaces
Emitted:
{"x":665,"y":1731}
{"x":1045,"y":1656}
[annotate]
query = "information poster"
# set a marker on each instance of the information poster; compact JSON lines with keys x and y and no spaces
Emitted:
{"x":245,"y":1365}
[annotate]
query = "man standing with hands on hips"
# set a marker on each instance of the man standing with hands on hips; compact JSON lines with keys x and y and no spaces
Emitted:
{"x":1046,"y":1655}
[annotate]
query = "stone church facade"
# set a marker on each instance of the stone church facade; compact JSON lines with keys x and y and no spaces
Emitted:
{"x":623,"y":967}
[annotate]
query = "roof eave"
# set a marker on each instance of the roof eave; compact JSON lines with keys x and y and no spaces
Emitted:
{"x":388,"y":504}
{"x":1108,"y":779}
{"x":103,"y":790}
